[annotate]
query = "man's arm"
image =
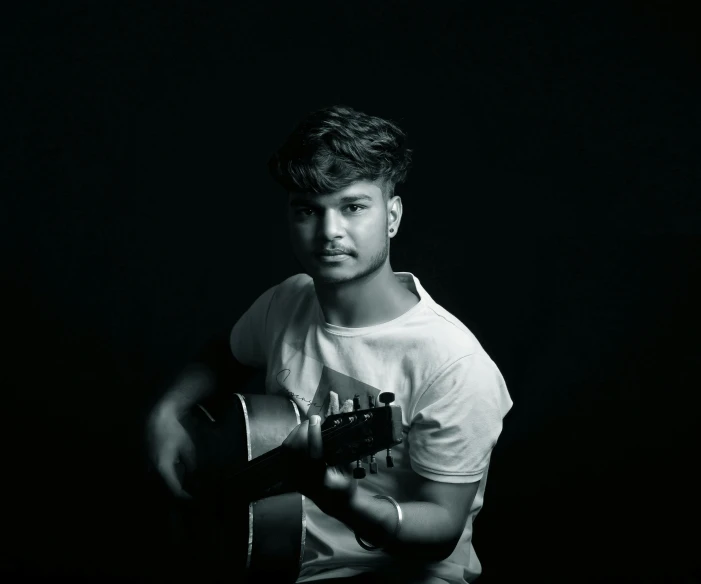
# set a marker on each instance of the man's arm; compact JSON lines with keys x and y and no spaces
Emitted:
{"x":431,"y":525}
{"x":203,"y":380}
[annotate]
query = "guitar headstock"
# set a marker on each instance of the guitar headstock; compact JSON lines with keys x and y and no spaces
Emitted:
{"x":350,"y":436}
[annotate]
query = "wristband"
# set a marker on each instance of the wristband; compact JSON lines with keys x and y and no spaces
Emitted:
{"x":372,"y":548}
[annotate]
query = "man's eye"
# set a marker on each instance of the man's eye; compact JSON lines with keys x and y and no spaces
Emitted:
{"x":307,"y":212}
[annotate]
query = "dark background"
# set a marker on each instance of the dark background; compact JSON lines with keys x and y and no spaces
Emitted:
{"x":553,"y":207}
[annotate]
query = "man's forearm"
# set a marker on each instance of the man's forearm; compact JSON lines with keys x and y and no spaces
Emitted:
{"x":424,"y":536}
{"x":194,"y":384}
{"x":213,"y":367}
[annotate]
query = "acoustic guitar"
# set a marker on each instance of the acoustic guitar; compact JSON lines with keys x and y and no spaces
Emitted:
{"x":245,"y":522}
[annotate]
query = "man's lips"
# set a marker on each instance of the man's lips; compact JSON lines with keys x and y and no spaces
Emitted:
{"x":332,"y":257}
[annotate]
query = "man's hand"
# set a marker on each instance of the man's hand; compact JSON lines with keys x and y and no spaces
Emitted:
{"x":332,"y":488}
{"x":168,"y":441}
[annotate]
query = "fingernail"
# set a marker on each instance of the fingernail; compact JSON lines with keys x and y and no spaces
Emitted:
{"x":314,"y":420}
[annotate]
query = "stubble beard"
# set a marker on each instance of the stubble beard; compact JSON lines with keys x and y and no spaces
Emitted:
{"x":375,"y":264}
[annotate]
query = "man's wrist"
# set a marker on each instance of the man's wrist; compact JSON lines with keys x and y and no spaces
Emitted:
{"x":340,"y":506}
{"x":422,"y":534}
{"x":193,"y":385}
{"x":165,"y":408}
{"x":374,"y":520}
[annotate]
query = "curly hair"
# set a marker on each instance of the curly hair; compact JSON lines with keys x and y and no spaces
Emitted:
{"x":334,"y":147}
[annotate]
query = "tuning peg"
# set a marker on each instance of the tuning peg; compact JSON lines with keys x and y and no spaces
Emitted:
{"x":387,"y":398}
{"x":373,"y":462}
{"x":373,"y":465}
{"x":359,"y":471}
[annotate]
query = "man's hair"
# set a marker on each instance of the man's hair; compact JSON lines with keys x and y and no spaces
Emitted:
{"x":334,"y":147}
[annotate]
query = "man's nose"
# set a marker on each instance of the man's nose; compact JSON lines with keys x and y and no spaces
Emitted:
{"x":331,"y":225}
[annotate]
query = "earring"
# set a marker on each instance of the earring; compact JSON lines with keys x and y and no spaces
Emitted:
{"x":391,"y":230}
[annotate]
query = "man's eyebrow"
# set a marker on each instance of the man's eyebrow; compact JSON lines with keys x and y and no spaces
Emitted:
{"x":355,"y":198}
{"x":304,"y":202}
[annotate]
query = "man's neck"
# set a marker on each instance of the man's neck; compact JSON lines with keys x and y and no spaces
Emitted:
{"x":376,"y":299}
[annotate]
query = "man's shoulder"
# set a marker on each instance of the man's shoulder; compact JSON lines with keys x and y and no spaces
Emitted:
{"x":446,"y":333}
{"x":293,"y":293}
{"x":436,"y":329}
{"x":294,"y":285}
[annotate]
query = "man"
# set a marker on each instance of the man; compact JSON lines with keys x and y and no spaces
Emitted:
{"x":350,"y":326}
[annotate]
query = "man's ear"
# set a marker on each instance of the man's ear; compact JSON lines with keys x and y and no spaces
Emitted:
{"x":395,"y":209}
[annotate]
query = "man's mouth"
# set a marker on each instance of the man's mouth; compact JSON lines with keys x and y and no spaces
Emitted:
{"x":332,"y":257}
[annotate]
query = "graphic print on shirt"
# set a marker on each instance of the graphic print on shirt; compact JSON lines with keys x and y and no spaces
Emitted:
{"x":311,"y":384}
{"x":345,"y":387}
{"x":334,"y":393}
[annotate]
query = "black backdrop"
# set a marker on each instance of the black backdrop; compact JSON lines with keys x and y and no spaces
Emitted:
{"x":553,"y":207}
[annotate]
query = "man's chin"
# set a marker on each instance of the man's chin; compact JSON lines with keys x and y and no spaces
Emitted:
{"x":330,"y":276}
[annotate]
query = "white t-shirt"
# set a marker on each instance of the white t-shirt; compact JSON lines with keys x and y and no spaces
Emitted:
{"x":452,"y":395}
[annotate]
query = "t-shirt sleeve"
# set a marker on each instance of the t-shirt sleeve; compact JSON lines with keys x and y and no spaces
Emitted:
{"x":457,"y":420}
{"x":248,"y":336}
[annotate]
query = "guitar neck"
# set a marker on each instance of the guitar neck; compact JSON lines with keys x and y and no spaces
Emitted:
{"x":345,"y":437}
{"x":261,"y":477}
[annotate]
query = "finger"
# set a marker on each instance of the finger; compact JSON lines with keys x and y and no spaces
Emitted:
{"x":167,"y":471}
{"x":314,"y":442}
{"x":188,"y":454}
{"x":297,"y":439}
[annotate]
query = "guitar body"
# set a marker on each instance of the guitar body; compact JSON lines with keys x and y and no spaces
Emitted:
{"x":245,"y":521}
{"x":230,"y":538}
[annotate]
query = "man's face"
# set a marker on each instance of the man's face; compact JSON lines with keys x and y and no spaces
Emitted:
{"x":352,"y":221}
